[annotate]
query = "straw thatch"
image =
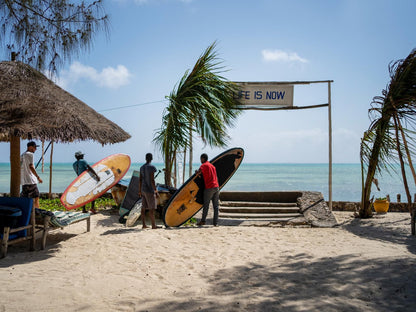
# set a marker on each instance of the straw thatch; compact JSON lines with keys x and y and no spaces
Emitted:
{"x":33,"y":107}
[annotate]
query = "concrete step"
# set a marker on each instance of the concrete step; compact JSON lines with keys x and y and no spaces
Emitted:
{"x":259,"y":209}
{"x":268,"y":216}
{"x":255,"y":204}
{"x":279,"y":222}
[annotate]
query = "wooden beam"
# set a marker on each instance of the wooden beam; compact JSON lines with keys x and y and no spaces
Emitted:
{"x":284,"y":108}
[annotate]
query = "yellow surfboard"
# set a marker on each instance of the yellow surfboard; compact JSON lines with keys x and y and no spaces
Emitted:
{"x":188,"y":199}
{"x":85,"y":188}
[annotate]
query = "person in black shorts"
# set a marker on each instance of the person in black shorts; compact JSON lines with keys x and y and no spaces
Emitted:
{"x":28,"y":175}
{"x":148,"y":190}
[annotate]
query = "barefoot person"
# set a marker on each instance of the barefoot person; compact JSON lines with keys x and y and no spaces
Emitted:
{"x":80,"y":165}
{"x":148,"y":190}
{"x":211,"y":191}
{"x":28,"y":176}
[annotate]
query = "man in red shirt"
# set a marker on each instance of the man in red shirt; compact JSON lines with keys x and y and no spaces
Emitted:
{"x":211,"y":191}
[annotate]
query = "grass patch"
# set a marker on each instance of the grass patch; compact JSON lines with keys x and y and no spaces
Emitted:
{"x":55,"y":204}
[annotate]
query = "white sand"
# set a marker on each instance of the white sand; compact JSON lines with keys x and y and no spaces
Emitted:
{"x":362,"y":265}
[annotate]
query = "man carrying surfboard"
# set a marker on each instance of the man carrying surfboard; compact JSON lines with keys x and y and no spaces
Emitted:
{"x":148,"y":190}
{"x":80,"y":165}
{"x":211,"y":191}
{"x":28,"y":175}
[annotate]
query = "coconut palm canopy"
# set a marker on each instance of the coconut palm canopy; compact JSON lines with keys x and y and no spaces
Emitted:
{"x":34,"y":107}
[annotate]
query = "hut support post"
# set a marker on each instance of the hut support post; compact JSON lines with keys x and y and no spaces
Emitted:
{"x":14,"y":166}
{"x":50,"y":173}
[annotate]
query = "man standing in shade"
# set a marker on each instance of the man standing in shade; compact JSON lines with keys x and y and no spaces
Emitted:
{"x":80,"y":165}
{"x":28,"y":175}
{"x":148,"y":190}
{"x":211,"y":191}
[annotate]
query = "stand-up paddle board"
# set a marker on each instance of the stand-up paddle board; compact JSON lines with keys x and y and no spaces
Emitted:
{"x":85,"y":188}
{"x":134,"y":213}
{"x":131,"y":197}
{"x":188,"y":200}
{"x":164,"y":194}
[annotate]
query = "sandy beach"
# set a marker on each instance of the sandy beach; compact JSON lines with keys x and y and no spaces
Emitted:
{"x":360,"y":265}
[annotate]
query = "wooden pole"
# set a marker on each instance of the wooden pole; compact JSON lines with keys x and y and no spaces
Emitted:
{"x":43,"y":158}
{"x":330,"y":146}
{"x":14,"y":158}
{"x":50,"y":173}
{"x":191,"y":153}
{"x":184,"y":166}
{"x":175,"y":171}
{"x":14,"y":166}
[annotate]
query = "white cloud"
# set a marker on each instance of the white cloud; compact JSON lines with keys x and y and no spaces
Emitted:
{"x":109,"y":77}
{"x":281,"y":56}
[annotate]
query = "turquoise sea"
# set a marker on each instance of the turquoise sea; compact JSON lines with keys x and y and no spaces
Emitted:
{"x":346,"y":179}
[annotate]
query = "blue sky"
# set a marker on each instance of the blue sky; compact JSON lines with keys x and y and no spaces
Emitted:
{"x":153,"y":42}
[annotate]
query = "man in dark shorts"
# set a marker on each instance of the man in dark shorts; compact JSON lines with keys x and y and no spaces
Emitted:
{"x":211,"y":191}
{"x":28,"y":175}
{"x":148,"y":190}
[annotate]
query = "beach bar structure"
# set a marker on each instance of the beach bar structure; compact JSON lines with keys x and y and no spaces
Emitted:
{"x":270,"y":96}
{"x":33,"y":107}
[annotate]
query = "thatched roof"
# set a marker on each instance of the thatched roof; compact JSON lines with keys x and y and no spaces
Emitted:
{"x":33,"y":107}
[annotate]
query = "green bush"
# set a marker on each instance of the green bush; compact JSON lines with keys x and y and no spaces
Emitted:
{"x":55,"y":204}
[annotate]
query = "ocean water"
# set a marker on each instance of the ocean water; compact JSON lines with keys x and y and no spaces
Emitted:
{"x":346,"y":179}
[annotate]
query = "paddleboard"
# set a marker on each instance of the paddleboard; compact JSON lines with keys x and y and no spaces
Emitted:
{"x":132,"y":194}
{"x":134,"y":214}
{"x":85,"y":188}
{"x":188,"y":199}
{"x":164,"y":194}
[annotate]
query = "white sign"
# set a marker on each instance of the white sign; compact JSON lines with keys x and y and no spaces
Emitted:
{"x":265,"y":94}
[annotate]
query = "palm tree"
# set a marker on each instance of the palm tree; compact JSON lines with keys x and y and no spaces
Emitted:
{"x":202,"y":104}
{"x":386,"y":140}
{"x":171,"y":137}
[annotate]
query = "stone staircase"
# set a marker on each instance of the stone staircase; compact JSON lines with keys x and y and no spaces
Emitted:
{"x":260,"y":208}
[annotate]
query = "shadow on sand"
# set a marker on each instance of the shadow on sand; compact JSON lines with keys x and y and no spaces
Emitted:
{"x":20,"y":254}
{"x":384,"y":230}
{"x":344,"y":283}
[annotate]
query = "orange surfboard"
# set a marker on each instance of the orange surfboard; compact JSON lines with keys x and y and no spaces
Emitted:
{"x":85,"y":188}
{"x":188,"y":199}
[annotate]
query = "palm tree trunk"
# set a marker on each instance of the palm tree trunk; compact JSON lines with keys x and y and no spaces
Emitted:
{"x":409,"y":159}
{"x":399,"y":151}
{"x":365,"y":210}
{"x":362,"y":176}
{"x":168,"y":168}
{"x":406,"y":147}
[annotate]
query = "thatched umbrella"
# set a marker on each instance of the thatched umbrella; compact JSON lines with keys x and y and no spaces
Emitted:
{"x":34,"y":107}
